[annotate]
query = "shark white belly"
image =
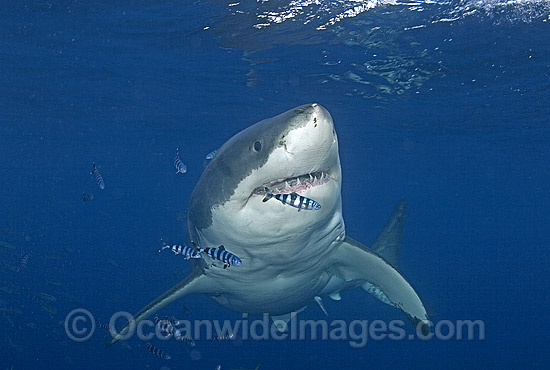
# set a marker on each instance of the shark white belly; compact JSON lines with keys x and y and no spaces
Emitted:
{"x":289,"y":257}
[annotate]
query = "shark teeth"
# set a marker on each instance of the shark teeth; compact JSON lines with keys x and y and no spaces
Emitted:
{"x":294,"y":184}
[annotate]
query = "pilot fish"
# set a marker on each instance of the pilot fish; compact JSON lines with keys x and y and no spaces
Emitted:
{"x":98,"y":178}
{"x":158,"y":352}
{"x":220,"y":254}
{"x":184,"y":250}
{"x":168,"y":328}
{"x":180,"y":166}
{"x":211,"y":155}
{"x":293,"y":199}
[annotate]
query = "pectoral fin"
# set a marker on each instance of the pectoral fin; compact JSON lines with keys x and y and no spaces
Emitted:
{"x":355,"y":262}
{"x":194,"y":283}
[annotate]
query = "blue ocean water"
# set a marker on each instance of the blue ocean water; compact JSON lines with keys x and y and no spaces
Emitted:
{"x":444,"y":103}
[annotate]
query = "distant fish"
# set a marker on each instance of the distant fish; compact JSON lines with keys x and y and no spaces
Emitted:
{"x":186,"y":251}
{"x":172,"y":320}
{"x":23,"y":262}
{"x":211,"y":155}
{"x":220,"y":254}
{"x":293,"y":199}
{"x":87,"y":197}
{"x":98,"y":178}
{"x":224,"y":337}
{"x":45,"y":296}
{"x":180,"y":166}
{"x":6,"y":245}
{"x":48,"y":308}
{"x":53,"y":282}
{"x":167,"y":327}
{"x":158,"y":352}
{"x":189,"y":341}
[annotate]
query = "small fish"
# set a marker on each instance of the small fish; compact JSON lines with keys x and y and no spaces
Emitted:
{"x":6,"y":245}
{"x":98,"y":178}
{"x":293,"y":199}
{"x":45,"y":296}
{"x":172,"y":320}
{"x":158,"y":352}
{"x":167,"y":326}
{"x":180,"y":166}
{"x":48,"y":308}
{"x":23,"y":262}
{"x":87,"y":197}
{"x":53,"y":282}
{"x":211,"y":155}
{"x":224,"y":337}
{"x":184,"y":250}
{"x":189,"y":341}
{"x":220,"y":254}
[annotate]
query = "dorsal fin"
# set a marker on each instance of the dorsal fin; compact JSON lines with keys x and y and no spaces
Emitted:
{"x":389,"y":239}
{"x":221,"y":247}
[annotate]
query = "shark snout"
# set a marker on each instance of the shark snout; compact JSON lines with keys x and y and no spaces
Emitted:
{"x":315,"y":132}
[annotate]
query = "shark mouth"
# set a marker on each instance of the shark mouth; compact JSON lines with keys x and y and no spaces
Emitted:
{"x":294,"y":184}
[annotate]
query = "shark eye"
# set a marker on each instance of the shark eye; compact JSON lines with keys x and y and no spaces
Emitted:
{"x":257,"y":146}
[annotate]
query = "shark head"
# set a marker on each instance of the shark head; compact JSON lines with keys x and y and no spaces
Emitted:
{"x":296,"y":151}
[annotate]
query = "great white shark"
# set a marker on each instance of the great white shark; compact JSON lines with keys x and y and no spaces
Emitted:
{"x":289,"y":258}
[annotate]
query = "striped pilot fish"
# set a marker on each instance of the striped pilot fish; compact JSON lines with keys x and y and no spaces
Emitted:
{"x":180,"y":166}
{"x":158,"y":352}
{"x":186,"y":251}
{"x":293,"y":199}
{"x":220,"y":254}
{"x":167,"y":327}
{"x":211,"y":155}
{"x":23,"y":262}
{"x":98,"y":178}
